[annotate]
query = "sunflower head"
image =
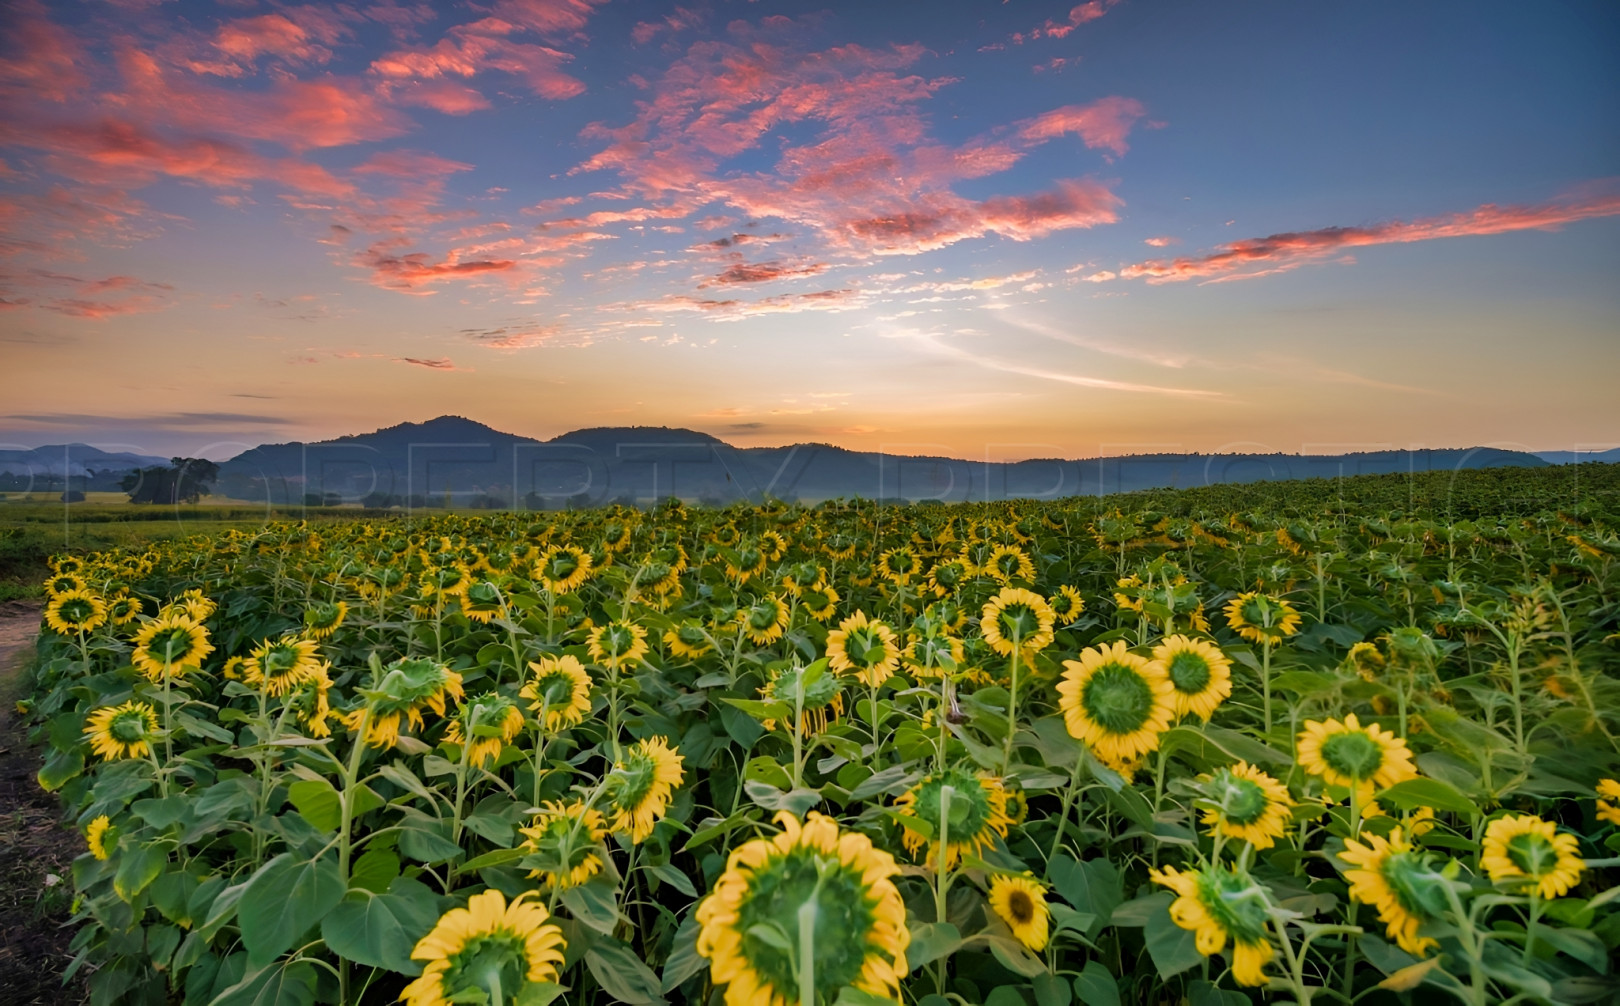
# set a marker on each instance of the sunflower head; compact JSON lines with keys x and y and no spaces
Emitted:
{"x":487,"y":723}
{"x":1245,"y":803}
{"x":970,"y":815}
{"x":1361,"y":758}
{"x":1526,"y":851}
{"x":764,"y":621}
{"x":125,"y":731}
{"x":816,"y":691}
{"x":1020,"y":902}
{"x":488,"y":952}
{"x":1608,"y":800}
{"x":323,"y":618}
{"x":1117,"y":702}
{"x":899,"y":565}
{"x":1215,"y":904}
{"x":1199,"y":672}
{"x":279,"y":665}
{"x":63,"y":582}
{"x":482,"y":601}
{"x":559,"y":692}
{"x":408,"y":686}
{"x":1067,"y":604}
{"x":864,"y":647}
{"x":123,"y":609}
{"x":563,"y":845}
{"x":811,"y":887}
{"x":1008,"y":563}
{"x":72,"y":611}
{"x":1262,"y":618}
{"x":617,"y":644}
{"x":309,"y":701}
{"x":1017,"y":619}
{"x":170,"y":644}
{"x":1398,"y":881}
{"x":687,"y":640}
{"x":96,"y":837}
{"x":640,"y":787}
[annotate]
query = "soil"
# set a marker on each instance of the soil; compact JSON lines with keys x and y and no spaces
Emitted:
{"x":34,"y":843}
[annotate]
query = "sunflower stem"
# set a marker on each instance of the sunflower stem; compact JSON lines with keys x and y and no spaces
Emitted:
{"x":942,"y":880}
{"x":1265,"y":681}
{"x":1063,"y":813}
{"x":807,"y":953}
{"x":1530,"y":926}
{"x":1012,"y":704}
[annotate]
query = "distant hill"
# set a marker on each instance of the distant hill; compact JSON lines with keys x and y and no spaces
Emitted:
{"x":469,"y":464}
{"x":51,"y":467}
{"x":1579,"y":457}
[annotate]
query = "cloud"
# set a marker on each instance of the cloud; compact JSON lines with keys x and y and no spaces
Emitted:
{"x":44,"y":62}
{"x":681,"y":20}
{"x":1280,"y":252}
{"x":1075,"y":203}
{"x":1104,"y":123}
{"x":1161,"y":242}
{"x":442,"y":363}
{"x":530,"y":336}
{"x":78,"y":297}
{"x":415,"y":270}
{"x":472,"y":49}
{"x":763,"y":272}
{"x":183,"y":419}
{"x":733,"y":309}
{"x":935,"y":344}
{"x":1078,"y":15}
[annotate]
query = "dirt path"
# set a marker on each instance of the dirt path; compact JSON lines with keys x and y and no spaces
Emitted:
{"x":34,"y":845}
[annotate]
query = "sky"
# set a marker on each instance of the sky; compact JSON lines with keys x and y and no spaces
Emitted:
{"x":987,"y":229}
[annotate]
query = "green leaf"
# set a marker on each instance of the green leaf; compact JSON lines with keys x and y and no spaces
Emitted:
{"x":497,"y":858}
{"x":1420,"y":792}
{"x":1202,"y":993}
{"x":595,"y":904}
{"x":622,"y":974}
{"x":283,"y":900}
{"x":1581,"y":944}
{"x":795,"y":801}
{"x":380,"y":930}
{"x":1015,"y":957}
{"x":684,"y":961}
{"x":423,"y":840}
{"x":138,"y":868}
{"x":930,"y":941}
{"x":1095,"y":986}
{"x":374,"y":870}
{"x":762,"y":710}
{"x":160,"y":813}
{"x":1172,"y":948}
{"x":292,"y":985}
{"x":1091,"y":887}
{"x":1050,"y":990}
{"x":59,"y":768}
{"x":674,"y":878}
{"x":1137,"y":912}
{"x":317,"y":802}
{"x":890,"y":780}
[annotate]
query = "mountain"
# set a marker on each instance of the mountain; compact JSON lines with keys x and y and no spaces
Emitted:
{"x":462,"y":462}
{"x":1579,"y":457}
{"x":70,"y":459}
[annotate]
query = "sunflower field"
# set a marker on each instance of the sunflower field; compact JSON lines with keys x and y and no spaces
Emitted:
{"x":1299,"y":743}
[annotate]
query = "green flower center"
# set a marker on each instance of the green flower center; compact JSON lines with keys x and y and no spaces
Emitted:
{"x":1242,"y":801}
{"x":555,"y":689}
{"x":768,"y":921}
{"x":902,"y":562}
{"x":1353,"y":754}
{"x":495,"y":963}
{"x":762,"y":616}
{"x":322,"y":616}
{"x":280,"y":659}
{"x":865,"y":648}
{"x":1007,"y":563}
{"x":618,"y":639}
{"x":75,"y":611}
{"x":484,"y":595}
{"x":658,"y":572}
{"x":1118,"y":698}
{"x":1533,"y":854}
{"x":1018,"y":621}
{"x":691,"y":635}
{"x":817,"y":694}
{"x":1417,"y":888}
{"x":1189,"y":672}
{"x":409,"y":683}
{"x":1236,"y":902}
{"x":128,"y":727}
{"x":170,"y":644}
{"x":560,"y":845}
{"x":750,"y":558}
{"x":635,"y":780}
{"x":562,"y":565}
{"x":970,"y":805}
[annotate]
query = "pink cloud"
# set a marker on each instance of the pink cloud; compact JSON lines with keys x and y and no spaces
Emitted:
{"x":1161,"y":242}
{"x":1289,"y":250}
{"x":295,"y":34}
{"x":442,"y":363}
{"x":414,"y":271}
{"x":1073,"y":204}
{"x":681,"y":20}
{"x":1104,"y":123}
{"x":733,"y":309}
{"x":763,"y":272}
{"x":42,"y":61}
{"x":475,"y":48}
{"x":1078,"y":15}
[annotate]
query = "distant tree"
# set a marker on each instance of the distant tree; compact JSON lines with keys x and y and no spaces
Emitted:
{"x":73,"y":496}
{"x":379,"y":501}
{"x":185,"y":480}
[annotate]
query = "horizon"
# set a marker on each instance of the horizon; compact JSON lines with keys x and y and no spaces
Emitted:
{"x":1003,"y":230}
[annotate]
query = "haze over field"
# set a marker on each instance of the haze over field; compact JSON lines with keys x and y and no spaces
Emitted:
{"x":973,"y":229}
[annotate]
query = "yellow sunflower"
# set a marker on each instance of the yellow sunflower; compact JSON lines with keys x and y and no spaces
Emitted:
{"x":970,"y":831}
{"x":170,"y":644}
{"x":1348,"y":754}
{"x":822,"y":700}
{"x":309,"y":701}
{"x":814,"y":888}
{"x":1262,"y":618}
{"x":487,"y":952}
{"x":764,"y":621}
{"x":617,"y":644}
{"x":688,"y":641}
{"x":64,"y":583}
{"x":123,"y":609}
{"x":1008,"y":563}
{"x":1020,"y":902}
{"x":1527,"y":850}
{"x":1117,"y":702}
{"x":409,"y":685}
{"x":73,"y":611}
{"x":865,"y":648}
{"x":492,"y":721}
{"x":899,"y":565}
{"x":643,"y":781}
{"x":1199,"y":672}
{"x":1607,"y":811}
{"x":1245,"y":803}
{"x":278,"y":665}
{"x":1017,"y":614}
{"x":1216,"y":904}
{"x":1067,"y":604}
{"x":323,"y":619}
{"x":563,"y":569}
{"x":563,"y":845}
{"x":96,"y":836}
{"x":482,"y":601}
{"x":1397,"y":880}
{"x":125,"y":731}
{"x":559,"y":693}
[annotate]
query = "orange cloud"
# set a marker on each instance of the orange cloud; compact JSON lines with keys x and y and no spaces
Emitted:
{"x":1104,"y":123}
{"x":43,"y":61}
{"x":763,"y":272}
{"x":1239,"y":259}
{"x":442,"y":363}
{"x":413,"y":271}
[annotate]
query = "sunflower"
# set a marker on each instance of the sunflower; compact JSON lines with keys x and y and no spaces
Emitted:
{"x":1348,"y":754}
{"x":492,"y":721}
{"x":744,"y":561}
{"x":1017,"y":614}
{"x":837,"y":882}
{"x":169,"y":644}
{"x":67,"y":564}
{"x":899,"y":565}
{"x":323,"y":619}
{"x":617,"y":644}
{"x":1216,"y":903}
{"x":1607,"y":811}
{"x":1261,"y":618}
{"x":96,"y":836}
{"x":1526,"y":848}
{"x":487,"y":952}
{"x":969,"y":831}
{"x":64,"y":583}
{"x":563,"y":845}
{"x":864,"y":647}
{"x":559,"y":693}
{"x":123,"y":609}
{"x":194,"y":604}
{"x":1398,"y":881}
{"x":820,"y":601}
{"x":687,"y":640}
{"x":310,"y":703}
{"x":764,"y":621}
{"x":949,"y":575}
{"x":819,"y":697}
{"x":482,"y":601}
{"x":1199,"y":672}
{"x":409,"y":685}
{"x":74,"y":611}
{"x":1246,"y":803}
{"x":1117,"y":702}
{"x":1021,"y":904}
{"x":931,"y":654}
{"x":124,"y":731}
{"x":277,"y":666}
{"x":1008,"y":563}
{"x":1067,"y":604}
{"x":643,"y":781}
